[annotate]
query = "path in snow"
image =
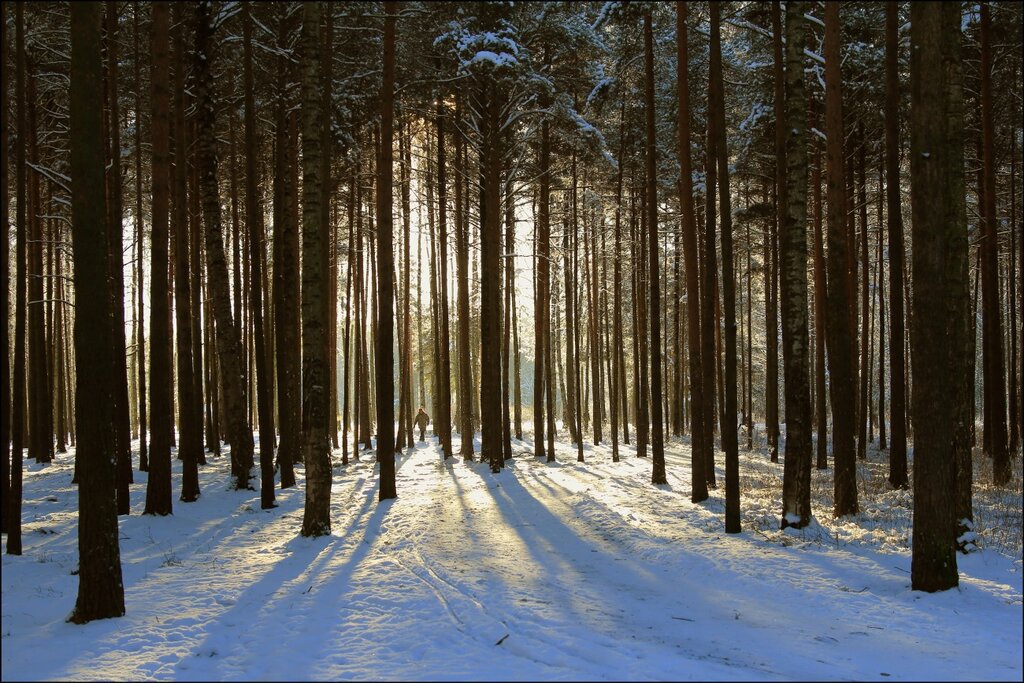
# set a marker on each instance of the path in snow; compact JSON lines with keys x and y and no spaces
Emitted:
{"x":545,"y":571}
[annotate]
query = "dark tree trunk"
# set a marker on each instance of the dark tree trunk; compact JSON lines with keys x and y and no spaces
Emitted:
{"x":40,"y":415}
{"x":254,"y":226}
{"x":443,"y":415}
{"x":229,"y":345}
{"x":13,"y":511}
{"x":140,"y":348}
{"x":657,"y":435}
{"x":100,"y":588}
{"x":939,"y":331}
{"x":796,"y":485}
{"x":542,"y":261}
{"x":820,"y":315}
{"x":700,"y":443}
{"x":286,"y":286}
{"x":316,"y":446}
{"x":729,"y":437}
{"x":897,"y":364}
{"x":771,"y":248}
{"x":158,"y":484}
{"x":385,"y":267}
{"x":992,"y":330}
{"x":840,"y":354}
{"x":5,"y":358}
{"x":190,"y":441}
{"x":462,"y":267}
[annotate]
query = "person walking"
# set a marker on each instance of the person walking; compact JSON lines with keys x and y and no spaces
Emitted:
{"x":422,"y":420}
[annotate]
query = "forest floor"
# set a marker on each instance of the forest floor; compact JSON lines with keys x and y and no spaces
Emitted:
{"x":545,"y":571}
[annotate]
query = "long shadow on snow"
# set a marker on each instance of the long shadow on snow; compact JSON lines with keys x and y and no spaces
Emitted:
{"x":287,"y":616}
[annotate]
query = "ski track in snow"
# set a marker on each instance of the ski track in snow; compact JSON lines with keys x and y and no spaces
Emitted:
{"x":559,"y":570}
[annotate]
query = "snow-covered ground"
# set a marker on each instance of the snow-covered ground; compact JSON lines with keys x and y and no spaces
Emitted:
{"x":544,"y":571}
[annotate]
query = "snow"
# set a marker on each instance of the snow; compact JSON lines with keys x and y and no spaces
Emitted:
{"x":503,"y":59}
{"x":545,"y":571}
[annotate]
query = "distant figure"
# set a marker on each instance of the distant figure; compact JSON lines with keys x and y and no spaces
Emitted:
{"x":422,"y":419}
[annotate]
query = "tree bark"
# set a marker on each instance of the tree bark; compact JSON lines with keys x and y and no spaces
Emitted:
{"x":316,"y":446}
{"x":158,"y":484}
{"x":992,"y":331}
{"x":796,"y":485}
{"x":729,"y":437}
{"x":385,"y":266}
{"x":190,"y":441}
{"x":254,"y":226}
{"x":938,"y":334}
{"x":699,"y":441}
{"x":841,"y":375}
{"x":229,"y":345}
{"x":100,"y":588}
{"x":657,"y":435}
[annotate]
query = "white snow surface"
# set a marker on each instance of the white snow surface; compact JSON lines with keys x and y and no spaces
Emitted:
{"x":560,"y":571}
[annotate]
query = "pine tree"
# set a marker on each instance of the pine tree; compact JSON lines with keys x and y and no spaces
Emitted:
{"x":100,"y":588}
{"x":937,"y":338}
{"x":796,"y":486}
{"x":316,"y":447}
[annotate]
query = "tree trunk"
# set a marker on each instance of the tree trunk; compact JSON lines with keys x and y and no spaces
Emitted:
{"x":100,"y":588}
{"x":796,"y":485}
{"x":657,"y":436}
{"x":699,"y":441}
{"x":820,"y":315}
{"x":443,"y":416}
{"x":938,"y":332}
{"x":729,"y":437}
{"x":254,"y":226}
{"x":158,"y":484}
{"x":462,"y":266}
{"x":5,"y":292}
{"x":771,"y":249}
{"x":140,"y":348}
{"x":992,"y":330}
{"x":316,"y":446}
{"x":229,"y":345}
{"x":286,"y":285}
{"x":385,"y":258}
{"x":841,"y":375}
{"x":897,"y":401}
{"x":190,"y":441}
{"x":40,"y":417}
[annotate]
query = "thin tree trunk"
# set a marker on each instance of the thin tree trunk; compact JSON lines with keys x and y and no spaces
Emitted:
{"x":255,"y":230}
{"x":729,"y":437}
{"x":229,"y":345}
{"x":796,"y":486}
{"x":443,"y":416}
{"x":841,"y":375}
{"x":771,"y":249}
{"x":657,"y":437}
{"x":897,"y":401}
{"x":158,"y":483}
{"x":286,"y":286}
{"x":5,"y":358}
{"x":995,"y":375}
{"x":140,"y":343}
{"x":190,"y":440}
{"x":13,"y":513}
{"x":699,"y":440}
{"x":385,"y":290}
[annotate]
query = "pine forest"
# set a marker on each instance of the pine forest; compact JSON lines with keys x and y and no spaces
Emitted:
{"x":512,"y":340}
